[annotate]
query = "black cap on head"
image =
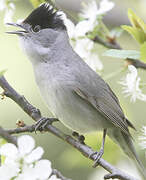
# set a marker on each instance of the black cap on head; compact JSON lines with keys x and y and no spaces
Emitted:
{"x":46,"y":17}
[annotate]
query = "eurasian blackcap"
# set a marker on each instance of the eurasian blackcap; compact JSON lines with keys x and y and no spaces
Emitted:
{"x":74,"y":93}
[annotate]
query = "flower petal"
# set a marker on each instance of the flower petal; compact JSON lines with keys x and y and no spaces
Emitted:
{"x":83,"y":27}
{"x":35,"y":155}
{"x":131,"y":85}
{"x":8,"y":171}
{"x":9,"y":150}
{"x":43,"y":169}
{"x":28,"y":173}
{"x":90,"y":10}
{"x":94,"y":62}
{"x":105,"y":6}
{"x":25,"y":144}
{"x":83,"y":47}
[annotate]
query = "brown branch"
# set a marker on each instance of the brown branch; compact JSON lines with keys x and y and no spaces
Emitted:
{"x":114,"y":45}
{"x":36,"y":115}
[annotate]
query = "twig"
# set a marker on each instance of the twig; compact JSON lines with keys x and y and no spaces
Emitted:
{"x":106,"y":44}
{"x":36,"y":115}
{"x":114,"y":45}
{"x":21,"y":130}
{"x":58,"y":174}
{"x":7,"y":136}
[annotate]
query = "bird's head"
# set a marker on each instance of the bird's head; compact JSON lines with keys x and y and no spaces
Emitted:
{"x":40,"y":29}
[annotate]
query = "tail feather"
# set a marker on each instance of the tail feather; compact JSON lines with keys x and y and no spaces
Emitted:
{"x":125,"y":142}
{"x":133,"y":154}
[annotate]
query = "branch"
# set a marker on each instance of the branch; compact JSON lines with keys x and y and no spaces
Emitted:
{"x":6,"y":135}
{"x":58,"y":174}
{"x":36,"y":115}
{"x":114,"y":45}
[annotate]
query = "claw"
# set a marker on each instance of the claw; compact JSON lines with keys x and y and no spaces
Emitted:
{"x":42,"y":123}
{"x":97,"y":158}
{"x":80,"y":138}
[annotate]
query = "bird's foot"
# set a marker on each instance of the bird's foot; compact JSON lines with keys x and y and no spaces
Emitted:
{"x":97,"y":157}
{"x":42,"y":123}
{"x":80,"y":138}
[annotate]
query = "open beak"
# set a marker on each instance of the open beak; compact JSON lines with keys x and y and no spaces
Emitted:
{"x":19,"y":32}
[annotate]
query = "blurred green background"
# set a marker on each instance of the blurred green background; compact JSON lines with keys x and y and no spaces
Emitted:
{"x":20,"y":75}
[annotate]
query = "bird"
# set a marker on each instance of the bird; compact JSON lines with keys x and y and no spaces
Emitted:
{"x":73,"y":92}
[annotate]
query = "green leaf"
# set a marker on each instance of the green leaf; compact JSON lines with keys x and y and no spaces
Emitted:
{"x":138,"y":28}
{"x":137,"y":34}
{"x":2,"y":72}
{"x":136,"y":21}
{"x":143,"y":52}
{"x":124,"y":54}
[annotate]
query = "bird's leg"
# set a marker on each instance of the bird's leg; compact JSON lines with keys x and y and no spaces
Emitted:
{"x":100,"y":153}
{"x":80,"y":138}
{"x":43,"y":122}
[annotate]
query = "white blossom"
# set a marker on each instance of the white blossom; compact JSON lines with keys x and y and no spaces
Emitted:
{"x":84,"y":27}
{"x":131,"y":85}
{"x":91,"y":11}
{"x":25,"y":150}
{"x":40,"y":171}
{"x":78,"y":30}
{"x":84,"y":49}
{"x":23,"y":162}
{"x":9,"y":170}
{"x":105,"y":6}
{"x":94,"y":62}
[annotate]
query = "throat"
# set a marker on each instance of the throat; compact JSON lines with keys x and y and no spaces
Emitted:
{"x":36,"y":53}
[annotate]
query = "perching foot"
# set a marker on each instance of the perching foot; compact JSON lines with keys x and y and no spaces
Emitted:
{"x":80,"y":138}
{"x":43,"y":122}
{"x":100,"y":153}
{"x":97,"y":157}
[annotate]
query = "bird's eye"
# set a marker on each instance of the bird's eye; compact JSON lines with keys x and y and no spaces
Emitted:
{"x":37,"y":28}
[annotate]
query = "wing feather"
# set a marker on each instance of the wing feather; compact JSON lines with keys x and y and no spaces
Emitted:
{"x":112,"y":111}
